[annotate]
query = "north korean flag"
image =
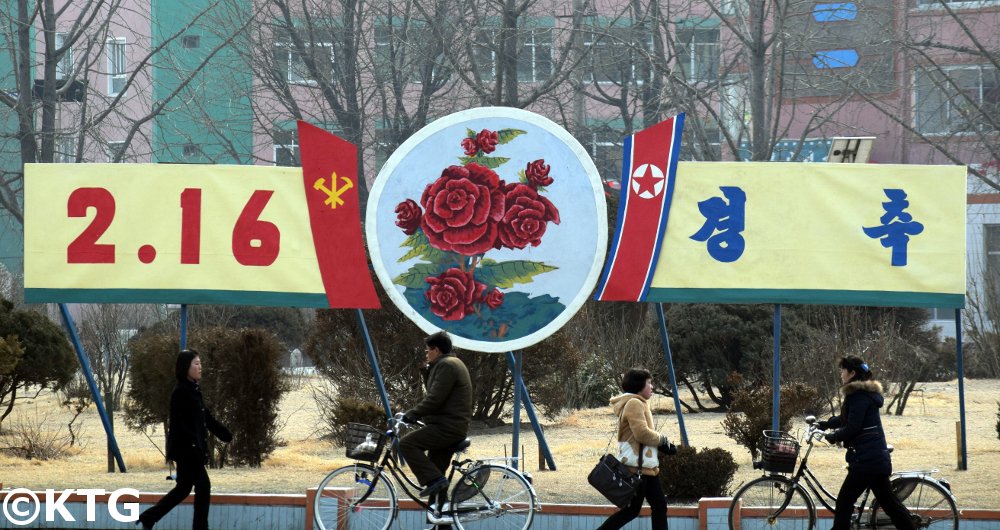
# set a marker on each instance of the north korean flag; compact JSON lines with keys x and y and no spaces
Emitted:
{"x":648,"y":168}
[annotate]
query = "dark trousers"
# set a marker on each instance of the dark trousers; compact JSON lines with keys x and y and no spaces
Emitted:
{"x":652,"y":491}
{"x":854,"y":485}
{"x":426,"y":451}
{"x":189,"y":474}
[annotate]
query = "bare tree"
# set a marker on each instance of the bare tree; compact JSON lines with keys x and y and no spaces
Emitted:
{"x":105,"y":331}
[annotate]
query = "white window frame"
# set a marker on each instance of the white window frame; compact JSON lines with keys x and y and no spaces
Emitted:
{"x":65,"y":150}
{"x":951,"y":114}
{"x":531,"y":46}
{"x":292,"y":147}
{"x":113,"y":147}
{"x":117,"y":53}
{"x":296,"y":73}
{"x":608,"y":39}
{"x":930,"y":5}
{"x":694,"y":48}
{"x":64,"y":67}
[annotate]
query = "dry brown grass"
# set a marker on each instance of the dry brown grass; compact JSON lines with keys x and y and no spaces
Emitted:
{"x":924,"y":438}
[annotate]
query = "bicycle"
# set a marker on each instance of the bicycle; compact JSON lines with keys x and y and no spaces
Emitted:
{"x":777,"y":502}
{"x":362,"y":496}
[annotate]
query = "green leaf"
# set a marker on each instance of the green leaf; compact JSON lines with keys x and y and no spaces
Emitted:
{"x":506,"y":135}
{"x":416,"y":276}
{"x":491,"y":162}
{"x":470,"y":133}
{"x":420,"y":247}
{"x":505,"y":274}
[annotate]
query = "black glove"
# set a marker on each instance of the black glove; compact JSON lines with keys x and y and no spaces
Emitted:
{"x":829,"y":437}
{"x":822,"y":425}
{"x":409,"y":418}
{"x":668,"y":449}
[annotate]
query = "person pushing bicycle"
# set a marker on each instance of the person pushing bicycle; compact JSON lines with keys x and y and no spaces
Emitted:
{"x":859,"y":428}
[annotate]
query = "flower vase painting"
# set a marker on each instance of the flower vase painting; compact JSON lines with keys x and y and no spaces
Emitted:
{"x":490,"y":224}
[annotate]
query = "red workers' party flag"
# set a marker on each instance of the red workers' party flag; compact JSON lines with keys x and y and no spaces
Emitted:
{"x":329,"y":173}
{"x":648,"y":168}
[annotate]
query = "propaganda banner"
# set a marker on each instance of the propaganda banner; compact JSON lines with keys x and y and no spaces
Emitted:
{"x":199,"y":234}
{"x":854,"y":234}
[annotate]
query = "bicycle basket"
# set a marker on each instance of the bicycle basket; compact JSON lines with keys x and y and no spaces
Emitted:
{"x":781,"y":450}
{"x":363,"y":442}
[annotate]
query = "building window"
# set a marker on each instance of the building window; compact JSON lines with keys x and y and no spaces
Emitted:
{"x":65,"y":150}
{"x":405,"y":51}
{"x":286,"y":148}
{"x":957,"y":99}
{"x":191,"y":41}
{"x":116,"y":65}
{"x":604,"y":143}
{"x":942,"y":313}
{"x":65,"y":65}
{"x":611,"y":55}
{"x":534,"y":54}
{"x":112,"y":149}
{"x":291,"y":60}
{"x":991,"y":244}
{"x":956,"y":3}
{"x":698,"y":53}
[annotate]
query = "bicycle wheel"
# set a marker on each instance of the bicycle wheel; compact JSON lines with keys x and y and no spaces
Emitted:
{"x":771,"y":503}
{"x":503,"y":500}
{"x":931,"y":506}
{"x":350,"y":498}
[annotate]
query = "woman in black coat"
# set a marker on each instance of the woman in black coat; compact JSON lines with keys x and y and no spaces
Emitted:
{"x":859,"y":427}
{"x":187,"y":436}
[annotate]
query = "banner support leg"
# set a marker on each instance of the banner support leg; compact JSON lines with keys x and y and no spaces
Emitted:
{"x":529,"y":408}
{"x":776,"y":372}
{"x":373,"y":362}
{"x":670,"y":372}
{"x":85,"y":366}
{"x":960,"y":367}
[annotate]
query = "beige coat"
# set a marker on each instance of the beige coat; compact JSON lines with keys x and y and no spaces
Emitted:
{"x":636,"y":426}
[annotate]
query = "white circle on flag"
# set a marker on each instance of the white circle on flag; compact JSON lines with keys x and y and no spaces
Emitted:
{"x":647,"y":181}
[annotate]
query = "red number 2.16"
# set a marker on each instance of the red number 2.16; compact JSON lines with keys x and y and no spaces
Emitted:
{"x":255,"y":242}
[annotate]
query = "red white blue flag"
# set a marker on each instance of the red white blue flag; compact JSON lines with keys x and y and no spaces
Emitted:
{"x":648,"y":168}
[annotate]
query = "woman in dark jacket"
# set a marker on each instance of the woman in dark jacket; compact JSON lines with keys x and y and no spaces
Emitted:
{"x":187,"y":436}
{"x":859,"y":427}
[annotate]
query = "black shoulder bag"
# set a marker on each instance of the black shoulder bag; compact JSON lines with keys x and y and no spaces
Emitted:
{"x":613,"y":479}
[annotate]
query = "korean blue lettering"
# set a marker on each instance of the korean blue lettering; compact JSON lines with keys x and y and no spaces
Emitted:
{"x":724,"y":224}
{"x":897,"y":226}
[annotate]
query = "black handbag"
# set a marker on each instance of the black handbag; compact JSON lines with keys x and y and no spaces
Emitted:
{"x":614,"y":481}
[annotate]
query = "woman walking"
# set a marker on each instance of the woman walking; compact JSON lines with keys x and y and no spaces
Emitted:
{"x":635,"y":426}
{"x":859,"y":427}
{"x":187,"y":437}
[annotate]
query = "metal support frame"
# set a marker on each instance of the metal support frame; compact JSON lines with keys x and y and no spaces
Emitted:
{"x":370,"y":350}
{"x":776,"y":372}
{"x":670,"y":371}
{"x":960,"y":366}
{"x":514,"y":364}
{"x":88,"y":374}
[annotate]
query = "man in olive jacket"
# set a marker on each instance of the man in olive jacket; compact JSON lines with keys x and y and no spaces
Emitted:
{"x":446,"y":411}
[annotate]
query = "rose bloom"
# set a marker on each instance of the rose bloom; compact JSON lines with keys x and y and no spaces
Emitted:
{"x":462,"y":208}
{"x":470,"y":146}
{"x":452,"y":294}
{"x":494,"y":299}
{"x":487,"y":140}
{"x":538,"y":173}
{"x":526,"y":218}
{"x":408,"y":216}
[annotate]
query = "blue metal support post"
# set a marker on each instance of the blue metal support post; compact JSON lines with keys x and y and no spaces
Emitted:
{"x":516,"y":441}
{"x":670,"y":371}
{"x":374,"y":364}
{"x":529,"y":407}
{"x":85,"y":365}
{"x":776,"y":373}
{"x":964,"y":465}
{"x":184,"y":327}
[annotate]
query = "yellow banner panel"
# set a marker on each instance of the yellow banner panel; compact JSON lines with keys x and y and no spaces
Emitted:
{"x":864,"y":234}
{"x":169,"y":233}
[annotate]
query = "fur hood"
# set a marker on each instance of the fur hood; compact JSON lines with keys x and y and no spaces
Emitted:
{"x":872,"y":386}
{"x":618,"y":402}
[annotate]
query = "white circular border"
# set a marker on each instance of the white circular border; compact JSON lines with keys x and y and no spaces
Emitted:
{"x":371,"y":227}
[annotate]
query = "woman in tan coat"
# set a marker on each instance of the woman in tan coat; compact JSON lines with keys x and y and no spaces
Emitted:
{"x":635,"y":426}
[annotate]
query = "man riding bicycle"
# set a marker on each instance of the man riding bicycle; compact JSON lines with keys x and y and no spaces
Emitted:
{"x":445,"y":410}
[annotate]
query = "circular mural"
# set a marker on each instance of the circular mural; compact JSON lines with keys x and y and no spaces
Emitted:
{"x":490,"y":224}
